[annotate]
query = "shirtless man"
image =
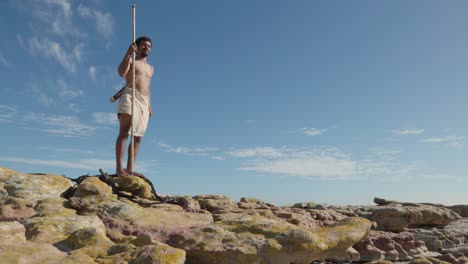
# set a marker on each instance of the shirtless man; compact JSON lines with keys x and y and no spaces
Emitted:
{"x":142,"y":110}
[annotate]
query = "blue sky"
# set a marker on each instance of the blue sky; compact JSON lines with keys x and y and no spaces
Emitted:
{"x":287,"y":101}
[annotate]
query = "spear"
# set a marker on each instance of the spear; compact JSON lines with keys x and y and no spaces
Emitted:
{"x":133,"y":95}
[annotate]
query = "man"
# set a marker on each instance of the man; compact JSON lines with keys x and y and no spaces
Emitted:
{"x":142,"y":109}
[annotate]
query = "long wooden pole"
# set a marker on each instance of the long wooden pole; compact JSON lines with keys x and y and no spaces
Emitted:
{"x":133,"y":95}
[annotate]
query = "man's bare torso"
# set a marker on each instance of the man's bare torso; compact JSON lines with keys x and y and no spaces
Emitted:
{"x":143,"y":74}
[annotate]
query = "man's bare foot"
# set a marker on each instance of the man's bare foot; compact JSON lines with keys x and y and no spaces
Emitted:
{"x":134,"y":173}
{"x":122,"y":172}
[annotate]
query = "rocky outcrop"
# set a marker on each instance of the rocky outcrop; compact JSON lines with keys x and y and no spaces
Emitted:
{"x":414,"y":232}
{"x":48,"y":218}
{"x":395,"y":216}
{"x":389,"y":246}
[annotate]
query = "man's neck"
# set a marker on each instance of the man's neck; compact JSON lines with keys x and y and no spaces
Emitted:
{"x":141,"y":58}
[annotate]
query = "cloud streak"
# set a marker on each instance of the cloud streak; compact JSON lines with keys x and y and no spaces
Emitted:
{"x":313,"y":163}
{"x":315,"y":166}
{"x":451,"y":141}
{"x":92,"y":73}
{"x":87,"y":164}
{"x":201,"y":152}
{"x":59,"y":125}
{"x":103,"y":118}
{"x":7,"y":114}
{"x":104,"y":21}
{"x":65,"y":90}
{"x":3,"y":60}
{"x":51,"y":49}
{"x":52,"y":16}
{"x":255,"y":152}
{"x":313,"y":131}
{"x":408,"y":131}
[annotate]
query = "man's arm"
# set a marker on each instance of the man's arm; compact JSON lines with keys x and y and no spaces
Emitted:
{"x":124,"y":66}
{"x":150,"y":110}
{"x":149,"y":94}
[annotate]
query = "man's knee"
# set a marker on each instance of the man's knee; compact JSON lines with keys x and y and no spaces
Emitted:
{"x":123,"y":134}
{"x":138,"y":140}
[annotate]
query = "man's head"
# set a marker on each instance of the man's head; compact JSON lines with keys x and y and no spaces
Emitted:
{"x":144,"y":45}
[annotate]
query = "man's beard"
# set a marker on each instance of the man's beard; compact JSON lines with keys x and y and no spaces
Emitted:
{"x":145,"y":53}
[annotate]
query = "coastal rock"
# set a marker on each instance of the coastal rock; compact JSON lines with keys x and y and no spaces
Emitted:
{"x":252,"y":203}
{"x":309,"y":218}
{"x":217,"y":203}
{"x":93,"y":188}
{"x":54,"y":228}
{"x":428,"y":260}
{"x":305,"y":205}
{"x":396,"y":218}
{"x":46,"y":218}
{"x":89,"y":241}
{"x":389,"y":246}
{"x":136,"y":186}
{"x":457,"y":250}
{"x":158,"y":253}
{"x":454,"y":260}
{"x":461,"y":209}
{"x":451,"y":236}
{"x":14,"y":209}
{"x":188,"y":204}
{"x":263,"y":238}
{"x":33,"y":187}
{"x":14,"y":248}
{"x":126,"y":218}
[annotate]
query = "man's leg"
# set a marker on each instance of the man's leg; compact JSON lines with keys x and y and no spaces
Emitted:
{"x":125,"y":121}
{"x":130,"y":151}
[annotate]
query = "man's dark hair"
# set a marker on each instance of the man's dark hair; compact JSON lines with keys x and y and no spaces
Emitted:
{"x":143,"y":38}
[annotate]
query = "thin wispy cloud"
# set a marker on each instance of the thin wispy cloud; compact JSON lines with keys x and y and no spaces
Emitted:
{"x":65,"y":90}
{"x":20,"y":40}
{"x":324,"y":163}
{"x":69,"y":150}
{"x":314,"y":166}
{"x":202,"y":152}
{"x":451,"y":141}
{"x":313,"y":163}
{"x":42,"y":97}
{"x":3,"y":60}
{"x":385,"y":169}
{"x":103,"y":118}
{"x":408,"y":131}
{"x":313,"y":131}
{"x":84,"y":164}
{"x":7,"y":113}
{"x":51,"y":49}
{"x":327,"y":163}
{"x":87,"y":164}
{"x":61,"y":22}
{"x":73,"y":108}
{"x":104,"y":21}
{"x":78,"y":51}
{"x":51,"y":16}
{"x":445,"y":177}
{"x":92,"y":73}
{"x":257,"y":152}
{"x":59,"y":125}
{"x":59,"y":92}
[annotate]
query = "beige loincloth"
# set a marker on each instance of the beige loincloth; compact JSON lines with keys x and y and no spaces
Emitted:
{"x":141,"y":110}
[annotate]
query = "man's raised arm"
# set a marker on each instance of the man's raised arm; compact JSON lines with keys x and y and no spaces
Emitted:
{"x":124,"y":66}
